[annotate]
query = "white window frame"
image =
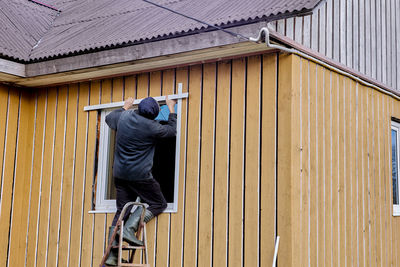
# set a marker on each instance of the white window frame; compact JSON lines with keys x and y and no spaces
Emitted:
{"x":104,"y":205}
{"x":396,"y":127}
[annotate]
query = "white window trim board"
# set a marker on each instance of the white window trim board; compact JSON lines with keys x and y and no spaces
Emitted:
{"x":396,"y":127}
{"x":136,"y":102}
{"x":109,"y":206}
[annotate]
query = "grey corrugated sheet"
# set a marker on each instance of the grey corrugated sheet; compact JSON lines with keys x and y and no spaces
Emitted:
{"x":84,"y":25}
{"x":22,"y":24}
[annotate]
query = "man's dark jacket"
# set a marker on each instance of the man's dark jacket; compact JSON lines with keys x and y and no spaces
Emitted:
{"x":135,"y":142}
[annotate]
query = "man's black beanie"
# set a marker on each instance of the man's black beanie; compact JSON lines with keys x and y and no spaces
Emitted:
{"x":149,"y":108}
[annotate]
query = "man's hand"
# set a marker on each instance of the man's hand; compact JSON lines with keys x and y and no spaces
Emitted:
{"x":171,"y":104}
{"x":128,"y":103}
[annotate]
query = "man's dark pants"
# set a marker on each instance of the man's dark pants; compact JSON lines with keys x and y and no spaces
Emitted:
{"x":148,"y":190}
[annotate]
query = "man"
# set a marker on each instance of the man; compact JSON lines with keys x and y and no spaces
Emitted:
{"x":136,"y":135}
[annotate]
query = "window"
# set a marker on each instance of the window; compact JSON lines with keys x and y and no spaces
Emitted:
{"x":395,"y":167}
{"x":165,"y":167}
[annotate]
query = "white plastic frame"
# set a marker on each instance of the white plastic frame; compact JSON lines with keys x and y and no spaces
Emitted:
{"x":396,"y":127}
{"x":103,"y":205}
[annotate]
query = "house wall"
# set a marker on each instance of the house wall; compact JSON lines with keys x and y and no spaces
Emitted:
{"x":340,"y":189}
{"x":227,"y":169}
{"x":361,"y":34}
{"x":328,"y":147}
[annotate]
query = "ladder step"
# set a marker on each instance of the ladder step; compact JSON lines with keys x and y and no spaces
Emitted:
{"x":130,"y":247}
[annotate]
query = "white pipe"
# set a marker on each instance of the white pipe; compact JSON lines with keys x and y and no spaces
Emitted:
{"x":265,"y":30}
{"x":276,"y":251}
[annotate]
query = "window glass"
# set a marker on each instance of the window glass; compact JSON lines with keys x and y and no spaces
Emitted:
{"x":395,"y":168}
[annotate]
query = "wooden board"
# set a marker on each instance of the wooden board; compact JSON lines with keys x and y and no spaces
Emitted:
{"x":236,"y":186}
{"x":22,"y":181}
{"x":221,"y":179}
{"x":68,"y":178}
{"x":192,"y":169}
{"x":177,"y":219}
{"x":40,"y":98}
{"x":79,"y":173}
{"x":284,"y":157}
{"x":206,"y":182}
{"x":57,"y":176}
{"x":88,"y":219}
{"x":252,"y":162}
{"x":268,"y":159}
{"x":46,"y":166}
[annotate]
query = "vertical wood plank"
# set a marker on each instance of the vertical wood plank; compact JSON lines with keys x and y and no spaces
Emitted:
{"x":79,"y":184}
{"x":328,"y":166}
{"x":177,"y":227}
{"x":354,"y":175}
{"x":154,"y":89}
{"x":306,"y":31}
{"x":192,"y":169}
{"x":362,"y":36}
{"x":268,"y":159}
{"x":366,"y":190}
{"x":68,"y":176}
{"x":57,"y":176}
{"x":325,"y":24}
{"x":397,"y":6}
{"x":285,"y":157}
{"x":304,"y":202}
{"x":207,"y":165}
{"x":252,"y":173}
{"x":357,"y":17}
{"x":315,"y":33}
{"x":349,"y":44}
{"x":360,"y":175}
{"x":335,"y":169}
{"x":236,"y":167}
{"x":46,"y":176}
{"x":382,"y":44}
{"x":368,"y":38}
{"x":8,"y":127}
{"x":36,"y":178}
{"x":89,"y":219}
{"x":8,"y":171}
{"x":337,"y":25}
{"x":311,"y":94}
{"x":348,"y":173}
{"x":164,"y":228}
{"x":374,"y":24}
{"x":342,"y":170}
{"x":320,"y":183}
{"x":22,"y":181}
{"x":220,"y":222}
{"x":100,"y":219}
{"x":130,"y":86}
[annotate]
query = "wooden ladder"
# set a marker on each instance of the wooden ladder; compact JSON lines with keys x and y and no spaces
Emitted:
{"x":140,"y":234}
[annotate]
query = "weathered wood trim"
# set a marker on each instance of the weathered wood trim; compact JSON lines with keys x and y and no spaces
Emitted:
{"x":12,"y":68}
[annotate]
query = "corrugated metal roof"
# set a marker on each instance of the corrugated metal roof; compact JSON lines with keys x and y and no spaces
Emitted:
{"x":84,"y":25}
{"x":22,"y":24}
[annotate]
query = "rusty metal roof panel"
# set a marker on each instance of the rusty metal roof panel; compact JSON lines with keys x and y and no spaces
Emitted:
{"x":86,"y":25}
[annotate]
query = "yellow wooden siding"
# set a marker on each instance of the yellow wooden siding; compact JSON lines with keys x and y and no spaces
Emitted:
{"x":329,"y":147}
{"x":344,"y":202}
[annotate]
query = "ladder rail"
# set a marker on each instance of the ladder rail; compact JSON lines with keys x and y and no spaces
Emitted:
{"x":120,"y":226}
